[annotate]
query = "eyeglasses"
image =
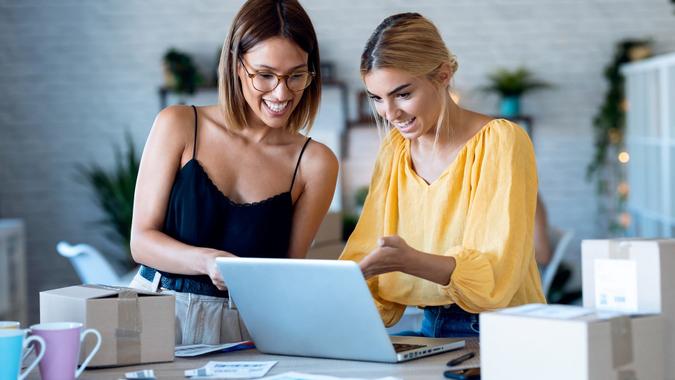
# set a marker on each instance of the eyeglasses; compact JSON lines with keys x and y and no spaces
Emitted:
{"x":265,"y":81}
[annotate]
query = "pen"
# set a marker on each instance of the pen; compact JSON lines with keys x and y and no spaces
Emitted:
{"x":461,"y":359}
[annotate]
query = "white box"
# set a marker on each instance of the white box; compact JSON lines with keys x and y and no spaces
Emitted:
{"x":648,"y":341}
{"x":635,"y":276}
{"x":560,"y":342}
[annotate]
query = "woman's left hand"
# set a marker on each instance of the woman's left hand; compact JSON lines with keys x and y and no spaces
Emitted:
{"x":391,"y":255}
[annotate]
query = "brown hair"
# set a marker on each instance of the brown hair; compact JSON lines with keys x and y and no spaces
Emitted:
{"x":411,"y":43}
{"x":256,"y":21}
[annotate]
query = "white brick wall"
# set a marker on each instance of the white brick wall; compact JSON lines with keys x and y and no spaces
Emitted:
{"x":75,"y":74}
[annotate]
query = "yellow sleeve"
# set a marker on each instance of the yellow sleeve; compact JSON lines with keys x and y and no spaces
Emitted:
{"x":370,"y":227}
{"x":497,"y":244}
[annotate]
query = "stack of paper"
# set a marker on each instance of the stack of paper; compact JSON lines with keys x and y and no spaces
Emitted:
{"x":231,"y":370}
{"x":191,"y":350}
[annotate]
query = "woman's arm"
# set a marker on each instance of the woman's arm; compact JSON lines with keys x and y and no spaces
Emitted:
{"x":170,"y":138}
{"x":317,"y":176}
{"x":393,"y":254}
{"x":371,"y":225}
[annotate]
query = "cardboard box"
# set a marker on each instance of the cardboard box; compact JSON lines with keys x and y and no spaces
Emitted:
{"x":329,"y":251}
{"x":135,"y":326}
{"x":561,"y":342}
{"x":330,"y":230}
{"x":648,"y":342}
{"x":328,"y":244}
{"x":633,"y":276}
{"x":636,"y":276}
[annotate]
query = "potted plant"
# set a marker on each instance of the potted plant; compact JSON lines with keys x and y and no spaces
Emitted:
{"x":180,"y":72}
{"x":114,"y":194}
{"x":349,"y":220}
{"x":511,"y":85}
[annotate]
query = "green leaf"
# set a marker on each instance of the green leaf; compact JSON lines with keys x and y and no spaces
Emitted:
{"x":113,"y":191}
{"x":513,"y":82}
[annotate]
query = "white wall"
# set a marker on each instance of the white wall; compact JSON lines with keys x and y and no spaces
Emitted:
{"x":75,"y":74}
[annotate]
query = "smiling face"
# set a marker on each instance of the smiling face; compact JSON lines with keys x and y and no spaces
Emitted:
{"x":276,"y":55}
{"x":410,"y":104}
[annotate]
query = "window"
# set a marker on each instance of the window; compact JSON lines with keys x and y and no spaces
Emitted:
{"x":650,"y":140}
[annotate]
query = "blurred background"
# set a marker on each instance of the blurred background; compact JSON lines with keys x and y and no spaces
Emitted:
{"x":81,"y":82}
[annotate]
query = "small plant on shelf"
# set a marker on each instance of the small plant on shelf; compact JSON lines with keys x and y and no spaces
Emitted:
{"x":180,"y":72}
{"x":511,"y":85}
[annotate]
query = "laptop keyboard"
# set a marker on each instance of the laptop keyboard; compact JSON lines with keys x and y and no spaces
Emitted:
{"x":400,"y":347}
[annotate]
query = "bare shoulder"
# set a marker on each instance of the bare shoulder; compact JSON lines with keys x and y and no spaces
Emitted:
{"x":172,"y":132}
{"x":173,"y":128}
{"x":320,"y":156}
{"x":176,"y":120}
{"x":212,"y":114}
{"x":318,"y":164}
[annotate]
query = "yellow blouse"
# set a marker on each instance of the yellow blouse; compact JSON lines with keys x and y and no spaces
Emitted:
{"x":480,"y":211}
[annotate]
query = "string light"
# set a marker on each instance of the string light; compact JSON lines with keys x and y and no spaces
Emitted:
{"x":624,"y":219}
{"x":623,"y":189}
{"x":624,"y":157}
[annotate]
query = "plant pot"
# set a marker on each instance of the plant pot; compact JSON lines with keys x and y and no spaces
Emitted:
{"x":510,"y":106}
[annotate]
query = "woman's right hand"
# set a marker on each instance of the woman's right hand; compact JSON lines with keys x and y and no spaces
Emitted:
{"x":212,"y":269}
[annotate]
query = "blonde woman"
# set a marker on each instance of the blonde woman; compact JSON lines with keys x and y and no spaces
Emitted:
{"x":236,"y":178}
{"x":448,"y":221}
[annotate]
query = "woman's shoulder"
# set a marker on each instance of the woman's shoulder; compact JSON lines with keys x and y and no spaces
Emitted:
{"x":392,"y":143}
{"x":503,"y":132}
{"x":176,"y":120}
{"x":173,"y":127}
{"x":318,"y":164}
{"x":318,"y":156}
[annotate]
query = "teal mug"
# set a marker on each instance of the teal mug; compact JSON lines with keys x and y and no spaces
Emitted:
{"x":13,"y":343}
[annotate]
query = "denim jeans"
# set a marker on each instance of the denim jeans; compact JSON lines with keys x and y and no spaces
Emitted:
{"x":447,"y":322}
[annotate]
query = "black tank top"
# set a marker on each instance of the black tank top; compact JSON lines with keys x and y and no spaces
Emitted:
{"x":199,"y":214}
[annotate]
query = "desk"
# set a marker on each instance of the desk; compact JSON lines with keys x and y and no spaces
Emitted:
{"x":431,"y":367}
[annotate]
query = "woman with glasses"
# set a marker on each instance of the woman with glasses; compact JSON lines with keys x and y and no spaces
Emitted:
{"x":236,"y":178}
{"x":448,"y":221}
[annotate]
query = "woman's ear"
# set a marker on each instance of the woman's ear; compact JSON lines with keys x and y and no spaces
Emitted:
{"x":444,"y":74}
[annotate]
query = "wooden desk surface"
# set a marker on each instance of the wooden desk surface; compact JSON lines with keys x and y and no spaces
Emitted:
{"x":431,"y":367}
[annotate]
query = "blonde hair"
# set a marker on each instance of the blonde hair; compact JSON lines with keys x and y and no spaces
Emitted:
{"x":256,"y":21}
{"x":411,"y":43}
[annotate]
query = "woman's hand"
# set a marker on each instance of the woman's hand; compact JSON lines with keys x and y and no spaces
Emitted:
{"x":391,"y":255}
{"x":212,"y":268}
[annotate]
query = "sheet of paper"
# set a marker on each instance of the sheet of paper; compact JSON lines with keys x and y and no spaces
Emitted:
{"x":191,"y":350}
{"x":309,"y":376}
{"x":549,"y":311}
{"x":231,"y":370}
{"x":616,"y":285}
{"x":147,"y":374}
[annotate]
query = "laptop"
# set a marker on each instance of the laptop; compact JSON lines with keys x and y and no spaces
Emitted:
{"x":317,"y":308}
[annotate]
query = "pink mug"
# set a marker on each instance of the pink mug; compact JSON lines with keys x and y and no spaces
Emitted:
{"x":63,"y":349}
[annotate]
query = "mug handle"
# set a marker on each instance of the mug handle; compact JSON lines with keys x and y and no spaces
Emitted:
{"x":93,"y":351}
{"x":27,"y":353}
{"x":41,"y":353}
